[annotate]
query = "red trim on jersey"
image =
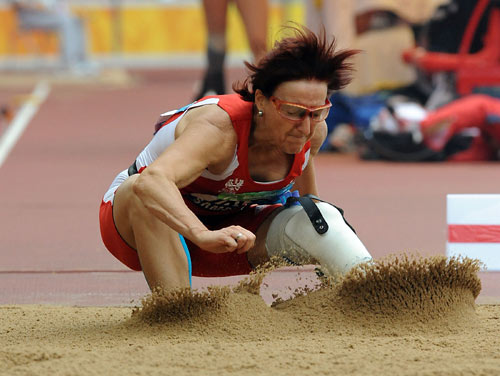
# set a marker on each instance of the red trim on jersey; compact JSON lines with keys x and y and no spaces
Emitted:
{"x":113,"y":241}
{"x":165,"y":120}
{"x":474,"y":233}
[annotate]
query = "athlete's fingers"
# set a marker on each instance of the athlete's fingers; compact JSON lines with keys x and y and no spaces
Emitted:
{"x":243,"y":233}
{"x":230,"y":244}
{"x":238,"y":239}
{"x":248,"y":245}
{"x":245,"y":243}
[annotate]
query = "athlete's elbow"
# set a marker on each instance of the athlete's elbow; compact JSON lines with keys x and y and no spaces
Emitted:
{"x":143,"y":185}
{"x":139,"y":188}
{"x":149,"y":183}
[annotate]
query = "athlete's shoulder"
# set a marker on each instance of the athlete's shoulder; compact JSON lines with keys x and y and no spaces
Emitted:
{"x":207,"y":116}
{"x":235,"y":106}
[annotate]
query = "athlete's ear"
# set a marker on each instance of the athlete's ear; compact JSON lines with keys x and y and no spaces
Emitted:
{"x":260,"y":100}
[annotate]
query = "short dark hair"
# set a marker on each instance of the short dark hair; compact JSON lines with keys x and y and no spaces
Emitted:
{"x":304,"y":55}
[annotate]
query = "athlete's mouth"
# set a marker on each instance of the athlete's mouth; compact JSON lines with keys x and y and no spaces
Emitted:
{"x":297,"y":139}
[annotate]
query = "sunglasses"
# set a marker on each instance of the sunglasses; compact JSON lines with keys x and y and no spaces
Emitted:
{"x":298,"y":112}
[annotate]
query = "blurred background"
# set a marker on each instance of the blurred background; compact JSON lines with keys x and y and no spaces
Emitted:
{"x":132,"y":34}
{"x":417,"y":57}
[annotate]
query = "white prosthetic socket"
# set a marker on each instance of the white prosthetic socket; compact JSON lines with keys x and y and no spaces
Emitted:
{"x":293,"y":237}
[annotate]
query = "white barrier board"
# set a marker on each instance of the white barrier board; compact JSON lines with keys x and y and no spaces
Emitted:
{"x":474,"y":227}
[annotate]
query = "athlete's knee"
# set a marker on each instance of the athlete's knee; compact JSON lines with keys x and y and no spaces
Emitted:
{"x":127,"y":207}
{"x":302,"y":238}
{"x":127,"y":195}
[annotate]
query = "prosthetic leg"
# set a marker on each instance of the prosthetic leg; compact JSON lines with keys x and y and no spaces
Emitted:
{"x":312,"y":233}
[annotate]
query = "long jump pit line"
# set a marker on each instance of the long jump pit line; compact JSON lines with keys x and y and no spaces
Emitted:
{"x":22,"y":119}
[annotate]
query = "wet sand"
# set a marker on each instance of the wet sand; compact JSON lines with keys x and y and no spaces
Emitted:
{"x":401,"y":316}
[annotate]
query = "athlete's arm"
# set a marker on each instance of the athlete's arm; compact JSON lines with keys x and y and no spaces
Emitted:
{"x":205,"y":138}
{"x":306,"y":182}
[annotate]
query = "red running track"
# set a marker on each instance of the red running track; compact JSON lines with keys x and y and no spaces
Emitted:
{"x":52,"y":183}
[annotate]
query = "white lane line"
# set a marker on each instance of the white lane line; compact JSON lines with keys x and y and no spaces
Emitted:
{"x":16,"y":128}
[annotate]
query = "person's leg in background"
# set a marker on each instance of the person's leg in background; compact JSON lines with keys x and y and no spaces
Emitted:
{"x":74,"y":42}
{"x":216,"y":19}
{"x":255,"y":15}
{"x":339,"y":19}
{"x":313,"y":17}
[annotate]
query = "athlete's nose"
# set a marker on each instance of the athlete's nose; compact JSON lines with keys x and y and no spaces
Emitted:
{"x":305,"y":125}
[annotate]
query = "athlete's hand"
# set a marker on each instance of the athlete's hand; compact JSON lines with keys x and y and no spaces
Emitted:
{"x":228,"y":239}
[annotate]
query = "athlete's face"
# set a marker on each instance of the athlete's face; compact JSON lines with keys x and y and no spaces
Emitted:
{"x":292,"y":113}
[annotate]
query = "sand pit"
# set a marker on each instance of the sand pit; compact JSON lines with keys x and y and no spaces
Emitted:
{"x":399,"y":316}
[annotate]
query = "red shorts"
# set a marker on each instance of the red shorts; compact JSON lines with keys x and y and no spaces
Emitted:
{"x":204,"y":264}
